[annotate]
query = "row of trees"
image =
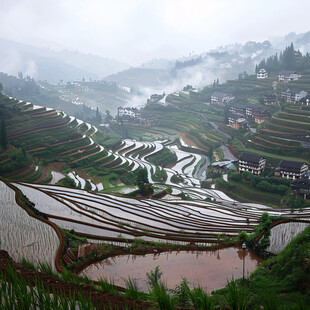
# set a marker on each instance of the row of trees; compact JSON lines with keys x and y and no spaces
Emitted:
{"x":288,"y":60}
{"x":272,"y":184}
{"x":88,"y":115}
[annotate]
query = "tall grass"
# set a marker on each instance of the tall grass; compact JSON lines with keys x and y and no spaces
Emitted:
{"x":46,"y":268}
{"x":131,"y":288}
{"x":153,"y":277}
{"x":271,"y":302}
{"x":182,"y":293}
{"x":235,"y":297}
{"x":200,"y":299}
{"x":17,"y":294}
{"x":28,"y":264}
{"x":160,"y":297}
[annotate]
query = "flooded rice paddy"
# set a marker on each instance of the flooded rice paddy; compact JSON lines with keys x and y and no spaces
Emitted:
{"x":209,"y":269}
{"x":24,"y":236}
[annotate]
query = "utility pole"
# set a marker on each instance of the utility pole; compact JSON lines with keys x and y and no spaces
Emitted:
{"x":243,"y":248}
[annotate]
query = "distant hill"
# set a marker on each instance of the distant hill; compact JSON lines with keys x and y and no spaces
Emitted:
{"x":72,"y":98}
{"x":52,"y":66}
{"x":140,"y":77}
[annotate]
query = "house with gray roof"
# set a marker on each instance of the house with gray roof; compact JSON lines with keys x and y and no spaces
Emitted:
{"x":291,"y":169}
{"x":252,"y":163}
{"x":293,"y":95}
{"x":218,"y":97}
{"x":286,"y":76}
{"x":301,"y":187}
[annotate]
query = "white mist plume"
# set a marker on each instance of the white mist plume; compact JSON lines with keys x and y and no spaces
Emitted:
{"x":198,"y":76}
{"x":11,"y":62}
{"x":30,"y":68}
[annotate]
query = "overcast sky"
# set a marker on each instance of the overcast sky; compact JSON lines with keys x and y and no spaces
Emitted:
{"x":135,"y":31}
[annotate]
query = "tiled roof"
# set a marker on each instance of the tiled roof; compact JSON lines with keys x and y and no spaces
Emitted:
{"x":291,"y":164}
{"x":250,"y":157}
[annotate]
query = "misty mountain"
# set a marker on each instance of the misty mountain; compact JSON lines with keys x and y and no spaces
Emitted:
{"x":140,"y":77}
{"x":53,"y":66}
{"x":224,"y":63}
{"x":301,"y":41}
{"x":161,"y":64}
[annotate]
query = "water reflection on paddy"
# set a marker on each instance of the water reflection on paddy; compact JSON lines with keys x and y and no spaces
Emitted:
{"x":209,"y":269}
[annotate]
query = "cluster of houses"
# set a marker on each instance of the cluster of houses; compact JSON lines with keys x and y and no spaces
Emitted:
{"x":296,"y":171}
{"x":133,"y":115}
{"x":292,"y":95}
{"x":238,"y":115}
{"x":284,"y":76}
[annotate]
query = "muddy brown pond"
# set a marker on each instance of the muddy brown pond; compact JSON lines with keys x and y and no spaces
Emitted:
{"x":209,"y":269}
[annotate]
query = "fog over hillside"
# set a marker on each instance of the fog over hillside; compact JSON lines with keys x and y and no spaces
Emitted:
{"x":53,"y":66}
{"x":146,"y":46}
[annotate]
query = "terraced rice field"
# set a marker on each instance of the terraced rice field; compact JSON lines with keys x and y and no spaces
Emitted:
{"x":109,"y":217}
{"x":290,"y":123}
{"x":52,"y":133}
{"x":24,"y":236}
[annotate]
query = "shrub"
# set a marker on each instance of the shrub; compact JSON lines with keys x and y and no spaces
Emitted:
{"x":181,"y":292}
{"x":235,"y":177}
{"x":243,"y":236}
{"x":153,"y":277}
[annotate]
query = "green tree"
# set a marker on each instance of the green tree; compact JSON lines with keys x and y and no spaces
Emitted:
{"x":142,"y":180}
{"x":3,"y":135}
{"x":98,"y":116}
{"x":108,"y":115}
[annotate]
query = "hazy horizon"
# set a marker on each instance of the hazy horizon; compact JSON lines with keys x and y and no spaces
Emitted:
{"x":137,"y":31}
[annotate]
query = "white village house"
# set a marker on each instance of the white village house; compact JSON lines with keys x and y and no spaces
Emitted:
{"x":129,"y":112}
{"x":262,"y":74}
